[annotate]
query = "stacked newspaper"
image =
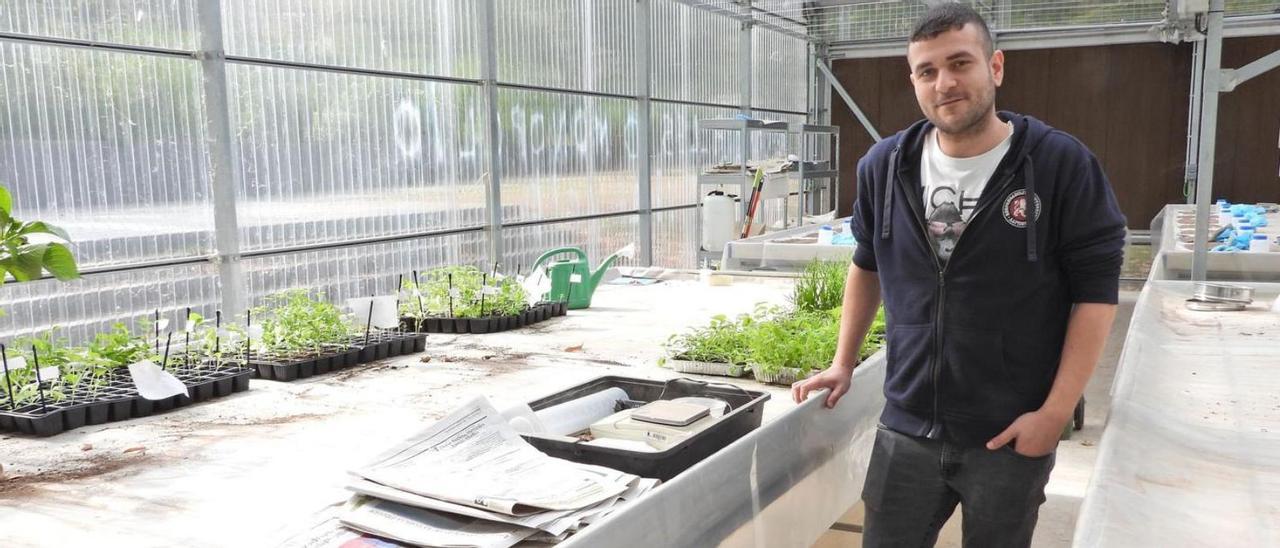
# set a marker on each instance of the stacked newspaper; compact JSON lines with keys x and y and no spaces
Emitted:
{"x":471,"y":481}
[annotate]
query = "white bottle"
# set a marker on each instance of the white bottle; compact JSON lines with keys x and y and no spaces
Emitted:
{"x":718,"y":221}
{"x":1260,"y":243}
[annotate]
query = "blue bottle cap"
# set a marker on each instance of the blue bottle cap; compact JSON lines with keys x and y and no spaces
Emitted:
{"x":1259,"y":236}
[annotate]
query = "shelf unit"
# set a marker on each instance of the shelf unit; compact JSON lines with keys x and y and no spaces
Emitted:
{"x":808,"y":150}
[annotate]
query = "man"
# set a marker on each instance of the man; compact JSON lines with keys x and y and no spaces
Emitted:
{"x":990,"y":343}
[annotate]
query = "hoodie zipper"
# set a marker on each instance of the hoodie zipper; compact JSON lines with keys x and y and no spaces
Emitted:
{"x":932,"y":431}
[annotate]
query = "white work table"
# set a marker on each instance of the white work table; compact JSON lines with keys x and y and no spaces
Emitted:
{"x":1191,"y":451}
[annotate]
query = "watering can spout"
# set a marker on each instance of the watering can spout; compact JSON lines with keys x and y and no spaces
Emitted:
{"x":629,"y":251}
{"x":598,"y":273}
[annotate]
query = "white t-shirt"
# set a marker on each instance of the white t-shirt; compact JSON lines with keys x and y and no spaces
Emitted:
{"x":952,"y":187}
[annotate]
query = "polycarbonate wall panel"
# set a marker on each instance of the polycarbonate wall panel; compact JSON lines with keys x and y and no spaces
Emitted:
{"x":432,"y":37}
{"x":327,"y":157}
{"x":675,"y":240}
{"x":565,"y":155}
{"x":597,"y":237}
{"x":109,"y":146}
{"x":81,"y":308}
{"x":169,"y":24}
{"x":680,"y":151}
{"x":779,"y":67}
{"x":355,"y":271}
{"x":695,"y":54}
{"x":1251,"y":7}
{"x":568,"y":44}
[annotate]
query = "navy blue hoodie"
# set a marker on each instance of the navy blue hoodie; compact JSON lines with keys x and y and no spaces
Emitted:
{"x":975,"y":342}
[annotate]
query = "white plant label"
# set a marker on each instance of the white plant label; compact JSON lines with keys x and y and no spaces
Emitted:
{"x":490,"y":290}
{"x":575,"y":278}
{"x":255,"y":332}
{"x":191,"y":326}
{"x":416,"y":292}
{"x":17,"y":362}
{"x":455,"y":292}
{"x":48,"y":373}
{"x":162,"y":324}
{"x":380,"y":312}
{"x":153,"y":382}
{"x":385,"y":315}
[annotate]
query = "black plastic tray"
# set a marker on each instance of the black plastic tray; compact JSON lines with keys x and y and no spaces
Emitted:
{"x":120,"y":402}
{"x":489,"y":324}
{"x":745,"y":414}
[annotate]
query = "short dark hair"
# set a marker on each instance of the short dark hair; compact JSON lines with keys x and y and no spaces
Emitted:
{"x":951,"y":16}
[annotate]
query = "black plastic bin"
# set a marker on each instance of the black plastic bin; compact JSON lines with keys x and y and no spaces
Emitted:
{"x":745,"y":414}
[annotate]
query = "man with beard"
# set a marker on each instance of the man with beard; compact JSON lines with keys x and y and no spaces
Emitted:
{"x":990,"y":343}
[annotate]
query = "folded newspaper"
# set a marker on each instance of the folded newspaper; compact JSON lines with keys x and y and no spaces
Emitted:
{"x":471,"y":481}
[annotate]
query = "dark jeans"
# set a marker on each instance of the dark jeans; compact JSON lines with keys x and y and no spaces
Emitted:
{"x":913,"y":486}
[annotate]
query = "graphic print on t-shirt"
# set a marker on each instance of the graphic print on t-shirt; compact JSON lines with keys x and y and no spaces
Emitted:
{"x":952,"y":187}
{"x":950,"y":211}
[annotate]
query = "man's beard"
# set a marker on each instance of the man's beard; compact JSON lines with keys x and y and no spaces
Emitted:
{"x":972,"y":121}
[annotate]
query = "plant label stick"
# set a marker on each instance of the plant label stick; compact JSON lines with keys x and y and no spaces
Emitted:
{"x":399,"y":286}
{"x":484,"y":284}
{"x":417,"y":291}
{"x":9,"y":387}
{"x":39,"y":382}
{"x":165,"y":361}
{"x":190,"y":326}
{"x":248,"y":328}
{"x":450,"y":294}
{"x":217,"y":334}
{"x":157,"y":330}
{"x":368,"y":322}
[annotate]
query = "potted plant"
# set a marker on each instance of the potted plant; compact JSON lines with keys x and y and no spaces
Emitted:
{"x":718,"y":349}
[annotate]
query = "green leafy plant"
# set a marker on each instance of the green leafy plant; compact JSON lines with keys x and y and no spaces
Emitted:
{"x":30,"y":248}
{"x":293,"y":321}
{"x":802,"y":340}
{"x":820,"y":286}
{"x":722,"y":341}
{"x":456,"y":291}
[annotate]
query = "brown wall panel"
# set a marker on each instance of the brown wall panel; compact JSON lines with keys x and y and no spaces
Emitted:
{"x":1127,"y":103}
{"x":1248,"y":157}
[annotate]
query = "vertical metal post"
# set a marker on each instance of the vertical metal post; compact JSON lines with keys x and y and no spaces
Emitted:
{"x":489,"y":79}
{"x":1208,"y":130}
{"x":744,"y":57}
{"x":644,"y":130}
{"x":223,"y":176}
{"x":1193,"y":122}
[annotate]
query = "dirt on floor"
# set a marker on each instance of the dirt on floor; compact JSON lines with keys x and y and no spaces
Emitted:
{"x":102,"y":465}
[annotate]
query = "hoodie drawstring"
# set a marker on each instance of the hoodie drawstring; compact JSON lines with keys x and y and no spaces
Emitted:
{"x":1032,"y":208}
{"x":886,"y":219}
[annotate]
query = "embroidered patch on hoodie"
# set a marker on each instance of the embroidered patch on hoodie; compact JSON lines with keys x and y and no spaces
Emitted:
{"x":1015,"y":208}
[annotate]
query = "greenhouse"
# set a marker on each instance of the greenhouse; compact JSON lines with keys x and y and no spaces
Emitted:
{"x":671,"y":273}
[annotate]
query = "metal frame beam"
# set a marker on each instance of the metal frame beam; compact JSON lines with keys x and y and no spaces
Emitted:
{"x":223,"y":174}
{"x":644,"y":131}
{"x":745,"y":15}
{"x":1232,"y":78}
{"x":1208,"y":130}
{"x":489,"y":78}
{"x":1060,"y":37}
{"x":1216,"y":81}
{"x":848,"y":101}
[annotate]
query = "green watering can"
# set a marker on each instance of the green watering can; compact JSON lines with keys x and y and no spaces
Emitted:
{"x":572,"y":280}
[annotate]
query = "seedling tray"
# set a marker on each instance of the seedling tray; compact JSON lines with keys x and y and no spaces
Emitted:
{"x":488,"y":324}
{"x":119,"y":400}
{"x":381,"y":345}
